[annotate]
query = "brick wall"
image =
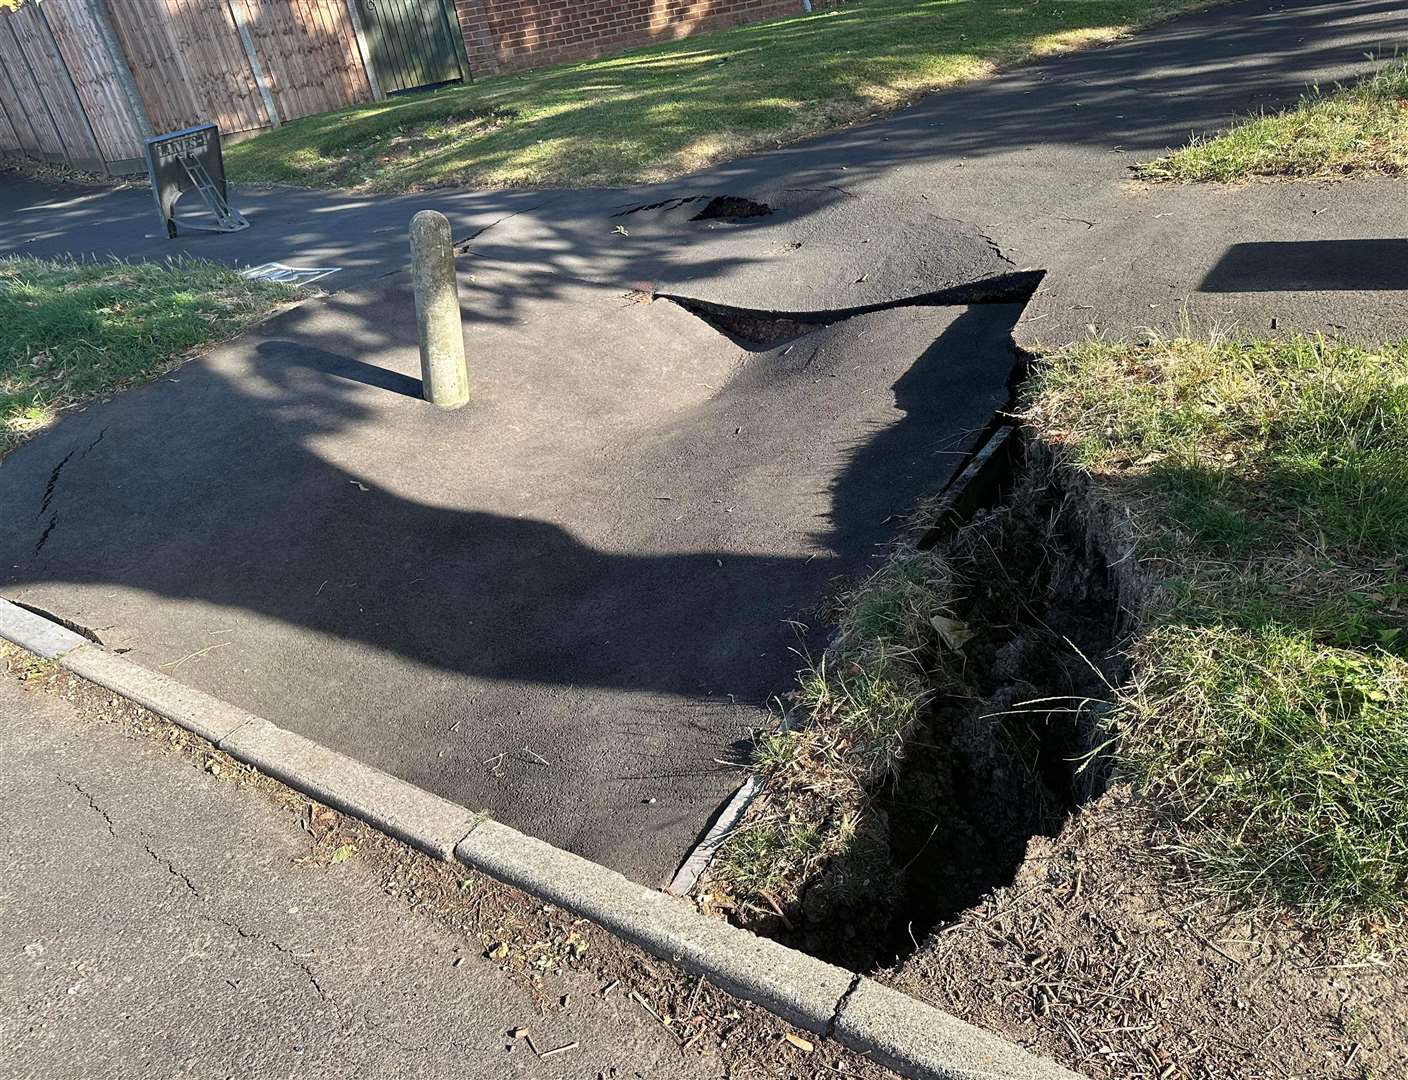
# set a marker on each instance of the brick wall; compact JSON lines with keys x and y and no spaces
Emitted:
{"x":510,"y":35}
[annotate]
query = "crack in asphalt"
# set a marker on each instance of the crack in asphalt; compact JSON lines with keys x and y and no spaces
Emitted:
{"x":44,"y":536}
{"x":220,"y":920}
{"x":53,"y":482}
{"x":461,"y":246}
{"x":52,"y":487}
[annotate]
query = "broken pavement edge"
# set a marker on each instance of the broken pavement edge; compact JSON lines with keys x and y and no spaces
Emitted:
{"x":914,"y":1039}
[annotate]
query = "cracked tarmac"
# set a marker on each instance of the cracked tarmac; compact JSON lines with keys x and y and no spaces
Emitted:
{"x":155,"y":921}
{"x":585,"y":577}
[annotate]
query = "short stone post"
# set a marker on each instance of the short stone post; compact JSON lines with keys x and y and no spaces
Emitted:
{"x":443,"y":371}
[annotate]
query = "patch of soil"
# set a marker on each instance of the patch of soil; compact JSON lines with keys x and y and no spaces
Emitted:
{"x":1112,"y":962}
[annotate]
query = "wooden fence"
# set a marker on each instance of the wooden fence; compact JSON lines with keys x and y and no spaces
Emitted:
{"x":83,"y":82}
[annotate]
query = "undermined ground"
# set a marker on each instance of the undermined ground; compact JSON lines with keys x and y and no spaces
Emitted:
{"x":999,"y":866}
{"x":1003,"y":750}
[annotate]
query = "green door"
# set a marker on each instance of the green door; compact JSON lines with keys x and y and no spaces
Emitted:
{"x":412,"y":42}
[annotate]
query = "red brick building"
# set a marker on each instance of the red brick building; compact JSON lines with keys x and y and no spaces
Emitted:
{"x":510,"y":35}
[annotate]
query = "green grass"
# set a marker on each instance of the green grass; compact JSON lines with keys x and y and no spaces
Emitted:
{"x":1351,"y":131}
{"x":849,"y":720}
{"x":665,"y":110}
{"x":1267,"y":489}
{"x":77,"y":331}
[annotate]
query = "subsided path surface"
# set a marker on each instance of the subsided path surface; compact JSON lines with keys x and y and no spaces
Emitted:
{"x":571,"y":603}
{"x":568,"y":603}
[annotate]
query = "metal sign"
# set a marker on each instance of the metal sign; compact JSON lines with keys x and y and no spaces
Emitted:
{"x":288,"y":275}
{"x":190,"y":160}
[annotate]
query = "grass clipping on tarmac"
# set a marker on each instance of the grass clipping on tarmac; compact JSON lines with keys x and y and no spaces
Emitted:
{"x":1264,"y":490}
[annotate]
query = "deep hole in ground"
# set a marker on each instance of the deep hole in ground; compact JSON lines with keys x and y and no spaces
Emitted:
{"x":731,"y":208}
{"x":715,"y":208}
{"x":1005,"y":757}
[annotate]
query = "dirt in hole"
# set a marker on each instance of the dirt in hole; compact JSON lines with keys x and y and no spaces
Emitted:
{"x":731,"y":208}
{"x":1006,"y":759}
{"x":756,"y":331}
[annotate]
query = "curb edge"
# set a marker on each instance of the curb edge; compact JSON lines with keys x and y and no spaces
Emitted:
{"x":899,"y":1031}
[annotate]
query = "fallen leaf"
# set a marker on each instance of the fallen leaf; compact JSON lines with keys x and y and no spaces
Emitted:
{"x":497,"y":951}
{"x":342,"y":854}
{"x":955,"y":634}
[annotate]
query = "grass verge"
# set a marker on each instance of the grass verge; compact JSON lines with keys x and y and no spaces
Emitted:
{"x":1266,"y":487}
{"x":76,"y":331}
{"x":1260,"y":495}
{"x":1354,"y":130}
{"x":659,"y":112}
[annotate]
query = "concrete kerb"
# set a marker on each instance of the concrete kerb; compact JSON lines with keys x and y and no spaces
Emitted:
{"x":43,"y":637}
{"x":907,"y":1035}
{"x":425,"y":821}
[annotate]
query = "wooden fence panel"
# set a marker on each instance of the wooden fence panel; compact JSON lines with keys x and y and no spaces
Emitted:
{"x":209,"y":41}
{"x":188,"y":63}
{"x":9,"y":138}
{"x":95,"y":77}
{"x":236,"y":63}
{"x":30,"y":105}
{"x":308,"y":52}
{"x":51,"y":75}
{"x":162,"y":80}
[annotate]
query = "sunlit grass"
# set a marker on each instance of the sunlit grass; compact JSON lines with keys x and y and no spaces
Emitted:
{"x":1266,"y":485}
{"x":662,"y":111}
{"x":77,"y":330}
{"x":1349,"y":131}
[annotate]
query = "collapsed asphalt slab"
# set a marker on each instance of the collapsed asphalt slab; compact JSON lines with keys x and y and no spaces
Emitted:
{"x":569,"y":603}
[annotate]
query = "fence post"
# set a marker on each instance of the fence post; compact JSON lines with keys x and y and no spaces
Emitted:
{"x":444,"y":373}
{"x":236,"y":9}
{"x":121,"y":70}
{"x":360,"y":34}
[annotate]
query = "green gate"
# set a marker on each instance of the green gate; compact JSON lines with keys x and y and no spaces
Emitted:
{"x":412,"y":42}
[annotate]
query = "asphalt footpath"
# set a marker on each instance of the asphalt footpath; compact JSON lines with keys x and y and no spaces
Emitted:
{"x":569,"y":603}
{"x":572,"y":603}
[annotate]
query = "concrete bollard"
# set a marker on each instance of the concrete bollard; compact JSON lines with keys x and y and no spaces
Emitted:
{"x":443,"y":371}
